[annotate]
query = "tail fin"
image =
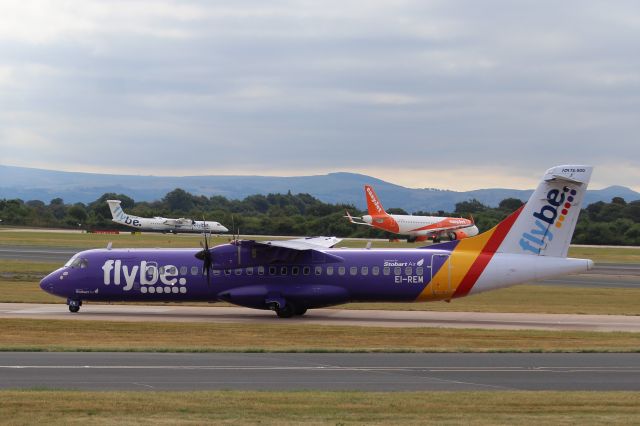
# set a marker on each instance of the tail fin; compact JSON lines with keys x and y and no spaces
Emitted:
{"x":545,"y":224}
{"x":374,"y":206}
{"x":117,"y":213}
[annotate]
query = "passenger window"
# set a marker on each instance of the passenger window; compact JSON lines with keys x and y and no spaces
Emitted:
{"x":318,"y":270}
{"x":260,"y":270}
{"x":353,"y":270}
{"x":386,"y":270}
{"x":295,"y":270}
{"x":227,"y":271}
{"x":183,"y":270}
{"x":306,"y":270}
{"x":375,"y":270}
{"x":171,"y":270}
{"x":272,"y":270}
{"x":397,"y":270}
{"x":250,"y":271}
{"x":216,"y":272}
{"x":342,"y":270}
{"x":194,"y":270}
{"x":329,"y":270}
{"x":364,"y":270}
{"x":283,"y":270}
{"x":238,"y":271}
{"x":419,"y":270}
{"x":408,"y":270}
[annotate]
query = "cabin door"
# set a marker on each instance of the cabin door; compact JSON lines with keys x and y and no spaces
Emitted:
{"x":440,"y":274}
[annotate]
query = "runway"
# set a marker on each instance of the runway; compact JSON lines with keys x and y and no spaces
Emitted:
{"x":285,"y":371}
{"x":616,"y":275}
{"x":341,"y":317}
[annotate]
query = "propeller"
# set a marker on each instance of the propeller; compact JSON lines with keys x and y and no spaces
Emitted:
{"x":205,"y":256}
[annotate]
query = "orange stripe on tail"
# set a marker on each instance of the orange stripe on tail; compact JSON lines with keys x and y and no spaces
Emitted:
{"x":487,"y":252}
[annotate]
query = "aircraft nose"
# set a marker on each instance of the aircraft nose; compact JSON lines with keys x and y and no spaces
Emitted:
{"x":223,"y":229}
{"x":47,"y":284}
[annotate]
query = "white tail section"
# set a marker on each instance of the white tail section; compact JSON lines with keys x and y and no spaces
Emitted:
{"x":546,"y":223}
{"x":117,"y":213}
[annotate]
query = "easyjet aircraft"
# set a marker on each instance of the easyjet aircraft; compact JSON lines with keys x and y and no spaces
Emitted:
{"x":163,"y":224}
{"x":418,"y":228}
{"x":292,"y":276}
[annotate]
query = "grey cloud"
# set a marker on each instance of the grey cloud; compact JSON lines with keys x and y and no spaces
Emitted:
{"x":328,"y":86}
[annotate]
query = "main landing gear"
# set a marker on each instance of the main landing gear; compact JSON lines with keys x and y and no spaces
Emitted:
{"x":74,"y":305}
{"x":288,"y":310}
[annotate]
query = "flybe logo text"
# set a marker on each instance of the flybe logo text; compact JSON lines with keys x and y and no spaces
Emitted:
{"x":552,"y":214}
{"x":146,"y":273}
{"x":121,"y":216}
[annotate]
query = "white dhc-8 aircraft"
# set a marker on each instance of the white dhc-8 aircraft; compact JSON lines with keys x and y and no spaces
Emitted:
{"x":163,"y":224}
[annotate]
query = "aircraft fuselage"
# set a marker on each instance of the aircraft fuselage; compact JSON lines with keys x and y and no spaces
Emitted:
{"x":330,"y":277}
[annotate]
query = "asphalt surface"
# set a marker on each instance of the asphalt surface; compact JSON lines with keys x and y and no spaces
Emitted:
{"x":286,"y":371}
{"x":342,"y":317}
{"x":615,"y":275}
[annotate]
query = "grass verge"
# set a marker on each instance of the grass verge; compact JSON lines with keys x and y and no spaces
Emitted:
{"x":62,"y":335}
{"x":282,"y":408}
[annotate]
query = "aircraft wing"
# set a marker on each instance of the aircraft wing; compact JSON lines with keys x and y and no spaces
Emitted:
{"x":434,"y":230}
{"x":309,"y":243}
{"x":177,"y":222}
{"x":296,"y":251}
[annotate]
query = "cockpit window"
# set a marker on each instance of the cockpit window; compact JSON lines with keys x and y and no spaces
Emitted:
{"x":70,"y":261}
{"x":77,"y":262}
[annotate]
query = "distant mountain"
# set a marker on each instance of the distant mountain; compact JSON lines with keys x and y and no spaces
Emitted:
{"x":38,"y":184}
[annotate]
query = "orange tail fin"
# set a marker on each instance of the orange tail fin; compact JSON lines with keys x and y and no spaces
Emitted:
{"x":373,"y":203}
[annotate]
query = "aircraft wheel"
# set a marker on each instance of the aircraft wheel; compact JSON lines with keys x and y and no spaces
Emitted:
{"x":301,"y":311}
{"x":286,"y":312}
{"x":74,"y":305}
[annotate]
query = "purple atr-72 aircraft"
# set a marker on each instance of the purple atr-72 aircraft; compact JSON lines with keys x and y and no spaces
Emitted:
{"x":292,"y":276}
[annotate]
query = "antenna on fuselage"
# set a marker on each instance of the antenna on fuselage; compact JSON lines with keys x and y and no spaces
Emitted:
{"x":109,"y":244}
{"x":368,"y":246}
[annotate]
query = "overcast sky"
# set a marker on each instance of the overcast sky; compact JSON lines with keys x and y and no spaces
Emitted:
{"x":447,"y":94}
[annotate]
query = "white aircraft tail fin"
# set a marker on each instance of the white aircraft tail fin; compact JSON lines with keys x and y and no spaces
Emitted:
{"x":117,"y":213}
{"x":545,"y":224}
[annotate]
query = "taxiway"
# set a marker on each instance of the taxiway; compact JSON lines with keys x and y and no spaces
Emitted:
{"x":342,"y":317}
{"x":287,"y":371}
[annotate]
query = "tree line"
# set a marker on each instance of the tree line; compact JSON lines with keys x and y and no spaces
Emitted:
{"x":616,"y":222}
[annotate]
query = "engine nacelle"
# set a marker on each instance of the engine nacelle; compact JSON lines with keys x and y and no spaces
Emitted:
{"x":457,"y":235}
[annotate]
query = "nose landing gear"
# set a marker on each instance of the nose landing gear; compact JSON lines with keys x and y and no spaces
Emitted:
{"x":74,"y":305}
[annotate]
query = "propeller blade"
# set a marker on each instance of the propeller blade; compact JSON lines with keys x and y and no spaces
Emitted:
{"x":205,"y":256}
